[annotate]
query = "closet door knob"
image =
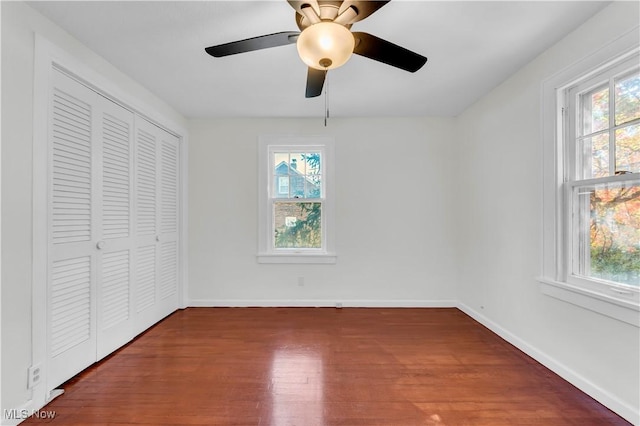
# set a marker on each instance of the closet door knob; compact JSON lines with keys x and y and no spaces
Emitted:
{"x":100,"y":245}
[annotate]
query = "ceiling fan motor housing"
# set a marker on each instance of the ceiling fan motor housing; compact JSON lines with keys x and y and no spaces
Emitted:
{"x":328,"y":11}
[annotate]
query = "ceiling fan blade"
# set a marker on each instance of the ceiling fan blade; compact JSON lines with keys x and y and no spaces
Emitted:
{"x":364,"y":7}
{"x":315,"y":81}
{"x":380,"y":50}
{"x":254,"y":43}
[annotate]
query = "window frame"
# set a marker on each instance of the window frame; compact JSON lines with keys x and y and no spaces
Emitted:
{"x":575,"y":180}
{"x":267,"y":252}
{"x":559,"y":172}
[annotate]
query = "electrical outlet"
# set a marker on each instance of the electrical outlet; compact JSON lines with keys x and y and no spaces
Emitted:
{"x":300,"y":281}
{"x":35,"y":375}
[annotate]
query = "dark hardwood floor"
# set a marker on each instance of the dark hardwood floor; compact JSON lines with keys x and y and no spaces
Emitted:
{"x":322,"y":366}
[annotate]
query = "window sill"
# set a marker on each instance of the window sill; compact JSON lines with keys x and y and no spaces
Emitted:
{"x":300,"y":258}
{"x":610,"y":306}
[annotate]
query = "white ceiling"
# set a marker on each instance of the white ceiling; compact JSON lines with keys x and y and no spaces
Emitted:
{"x":471,"y":47}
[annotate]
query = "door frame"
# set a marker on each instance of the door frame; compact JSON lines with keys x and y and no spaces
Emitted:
{"x":47,"y":57}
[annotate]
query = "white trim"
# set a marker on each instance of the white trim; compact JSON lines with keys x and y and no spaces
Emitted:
{"x":0,"y":223}
{"x":609,"y":306}
{"x":47,"y":56}
{"x":309,"y":258}
{"x":554,"y":232}
{"x":596,"y":392}
{"x":320,"y":303}
{"x":183,"y":261}
{"x":43,"y":59}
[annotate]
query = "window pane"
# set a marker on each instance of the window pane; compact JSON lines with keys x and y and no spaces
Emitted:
{"x":627,"y":98}
{"x":281,"y":163}
{"x":281,"y":175}
{"x":595,"y":110}
{"x":297,"y":225}
{"x":313,"y":163}
{"x":298,"y":164}
{"x":313,"y":187}
{"x":628,"y":149}
{"x":297,"y":186}
{"x":608,"y":245}
{"x":593,"y":159}
{"x":297,"y":175}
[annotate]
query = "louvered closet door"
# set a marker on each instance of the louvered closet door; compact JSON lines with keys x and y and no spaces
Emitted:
{"x":169,"y":214}
{"x":114,"y":233}
{"x":113,"y":227}
{"x":91,"y":243}
{"x":72,"y":214}
{"x":156,"y":177}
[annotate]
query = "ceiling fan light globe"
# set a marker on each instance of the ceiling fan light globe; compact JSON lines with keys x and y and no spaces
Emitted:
{"x":325,"y":43}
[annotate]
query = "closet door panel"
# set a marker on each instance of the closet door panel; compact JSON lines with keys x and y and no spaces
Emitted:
{"x":147,"y":222}
{"x":169,"y":221}
{"x":114,"y":284}
{"x":157,"y":215}
{"x":71,"y":294}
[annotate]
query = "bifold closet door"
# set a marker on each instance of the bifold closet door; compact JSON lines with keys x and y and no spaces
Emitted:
{"x":72,"y":265}
{"x":113,"y":211}
{"x":89,"y":287}
{"x":169,"y":224}
{"x":156,"y":230}
{"x":114,"y":235}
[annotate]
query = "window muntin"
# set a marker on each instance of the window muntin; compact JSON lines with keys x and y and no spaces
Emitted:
{"x":602,"y":194}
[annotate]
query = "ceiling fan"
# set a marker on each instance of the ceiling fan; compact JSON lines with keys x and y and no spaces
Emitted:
{"x":325,"y":40}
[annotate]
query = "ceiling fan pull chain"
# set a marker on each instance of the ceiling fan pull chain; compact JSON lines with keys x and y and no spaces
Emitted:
{"x":326,"y":96}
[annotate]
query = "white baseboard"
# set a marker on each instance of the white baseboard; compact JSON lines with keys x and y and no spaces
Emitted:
{"x":321,"y":303}
{"x":605,"y":398}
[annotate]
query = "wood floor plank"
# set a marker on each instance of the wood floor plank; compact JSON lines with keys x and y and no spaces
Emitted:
{"x":320,"y":367}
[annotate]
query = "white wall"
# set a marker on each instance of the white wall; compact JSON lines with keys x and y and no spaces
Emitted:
{"x":393,"y":204}
{"x":499,"y":152}
{"x":19,"y":22}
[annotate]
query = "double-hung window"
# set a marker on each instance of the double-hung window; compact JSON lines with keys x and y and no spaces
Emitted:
{"x":594,"y":260}
{"x":602,"y":146}
{"x":296,"y":200}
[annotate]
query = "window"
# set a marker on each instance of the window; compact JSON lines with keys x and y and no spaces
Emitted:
{"x":602,"y":146}
{"x":592,"y":186}
{"x":296,"y":200}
